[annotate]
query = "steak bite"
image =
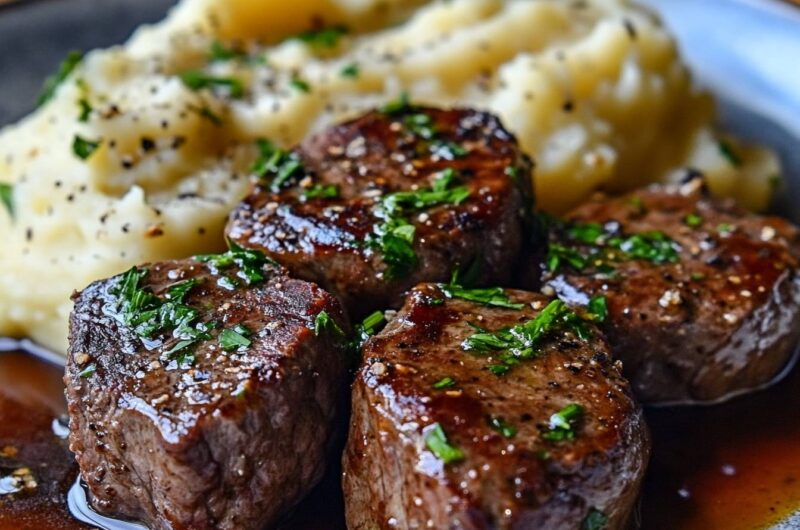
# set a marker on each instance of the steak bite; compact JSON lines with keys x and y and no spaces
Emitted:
{"x":702,"y":296}
{"x":202,"y":392}
{"x":371,"y":207}
{"x":509,"y":415}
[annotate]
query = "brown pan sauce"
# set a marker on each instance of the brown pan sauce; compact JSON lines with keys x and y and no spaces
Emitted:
{"x":734,"y":466}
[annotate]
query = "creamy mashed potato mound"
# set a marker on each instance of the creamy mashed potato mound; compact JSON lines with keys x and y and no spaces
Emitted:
{"x":594,"y":90}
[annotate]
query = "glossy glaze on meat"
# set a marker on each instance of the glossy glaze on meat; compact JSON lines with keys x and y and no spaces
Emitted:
{"x":722,"y":318}
{"x":392,"y":479}
{"x":325,"y":240}
{"x":230,"y":440}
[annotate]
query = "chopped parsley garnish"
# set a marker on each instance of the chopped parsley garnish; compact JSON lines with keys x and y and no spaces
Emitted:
{"x":436,"y":441}
{"x":499,"y":369}
{"x":563,"y":423}
{"x":693,"y":220}
{"x":197,"y":80}
{"x":85,"y":110}
{"x":467,"y":274}
{"x":597,"y":309}
{"x":503,"y":427}
{"x":226,"y":282}
{"x":491,"y":296}
{"x":321,"y":191}
{"x":52,"y":83}
{"x":221,"y":53}
{"x":368,"y":327}
{"x":147,"y":314}
{"x":397,"y":106}
{"x":729,"y":154}
{"x":607,"y":246}
{"x":697,"y":276}
{"x":277,"y":164}
{"x":445,"y":382}
{"x":300,"y":85}
{"x":323,"y":38}
{"x":448,"y":150}
{"x":594,"y":520}
{"x":323,"y":323}
{"x":7,"y":197}
{"x":250,"y":262}
{"x":420,"y":124}
{"x":234,"y":339}
{"x":84,"y":148}
{"x":395,"y":235}
{"x":725,"y":228}
{"x":350,"y":71}
{"x":88,"y":371}
{"x":520,"y":342}
{"x":207,"y":114}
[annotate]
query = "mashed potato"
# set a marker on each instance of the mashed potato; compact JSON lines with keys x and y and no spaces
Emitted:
{"x":595,"y":91}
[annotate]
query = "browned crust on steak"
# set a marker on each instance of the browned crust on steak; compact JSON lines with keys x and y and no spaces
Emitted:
{"x":323,"y":240}
{"x":391,"y":480}
{"x":720,"y":321}
{"x":232,"y":441}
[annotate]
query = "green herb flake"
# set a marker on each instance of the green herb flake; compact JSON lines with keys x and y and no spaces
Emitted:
{"x":277,"y":164}
{"x":499,"y":369}
{"x":323,"y":38}
{"x":597,"y":309}
{"x":693,"y":220}
{"x":399,"y":106}
{"x":503,"y":427}
{"x":250,"y":262}
{"x":445,"y":382}
{"x":368,"y":327}
{"x":436,"y":441}
{"x":231,"y":339}
{"x":394,"y":237}
{"x":85,"y":110}
{"x":563,"y":423}
{"x":88,"y":372}
{"x":350,"y":71}
{"x":83,"y":148}
{"x":521,"y":342}
{"x":606,"y":247}
{"x":321,"y":191}
{"x":698,"y":276}
{"x":725,"y":228}
{"x":218,"y":52}
{"x":594,"y":520}
{"x":52,"y":83}
{"x":324,"y":323}
{"x":7,"y":197}
{"x":300,"y":85}
{"x":727,"y":151}
{"x":420,"y":124}
{"x":492,"y":296}
{"x":226,"y":282}
{"x":197,"y":80}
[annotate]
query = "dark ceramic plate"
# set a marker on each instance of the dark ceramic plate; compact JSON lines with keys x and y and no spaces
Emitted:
{"x":745,"y":51}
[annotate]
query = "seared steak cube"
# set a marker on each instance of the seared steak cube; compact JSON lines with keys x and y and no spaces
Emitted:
{"x":703,"y":297}
{"x":502,"y":416}
{"x":202,"y":392}
{"x":371,"y":207}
